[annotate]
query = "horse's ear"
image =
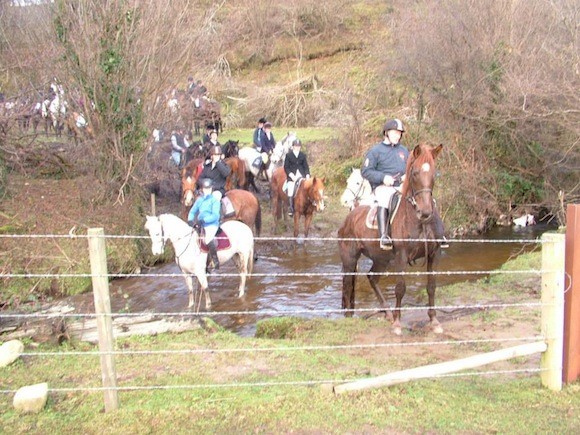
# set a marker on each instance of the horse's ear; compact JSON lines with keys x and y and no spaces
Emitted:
{"x":437,"y":150}
{"x":417,"y":151}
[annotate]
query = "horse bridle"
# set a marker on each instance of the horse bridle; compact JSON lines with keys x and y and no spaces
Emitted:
{"x":358,"y":193}
{"x":164,"y":241}
{"x":411,"y":198}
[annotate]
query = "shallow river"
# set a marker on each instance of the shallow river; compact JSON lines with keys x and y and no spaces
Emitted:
{"x":284,"y":294}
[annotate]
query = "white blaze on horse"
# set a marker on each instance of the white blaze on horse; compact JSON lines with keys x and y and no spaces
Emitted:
{"x":358,"y":191}
{"x":192,"y":260}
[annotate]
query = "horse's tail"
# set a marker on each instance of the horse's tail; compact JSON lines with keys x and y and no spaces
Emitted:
{"x":250,"y":263}
{"x":258,"y":222}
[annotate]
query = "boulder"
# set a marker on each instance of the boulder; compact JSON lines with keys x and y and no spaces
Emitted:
{"x":10,"y":352}
{"x":31,"y":399}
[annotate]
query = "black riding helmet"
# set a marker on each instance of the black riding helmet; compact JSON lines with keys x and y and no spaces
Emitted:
{"x":394,"y":124}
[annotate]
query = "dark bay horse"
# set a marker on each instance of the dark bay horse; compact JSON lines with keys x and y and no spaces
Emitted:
{"x":308,"y":198}
{"x":414,"y":228}
{"x":238,"y":175}
{"x":231,"y":148}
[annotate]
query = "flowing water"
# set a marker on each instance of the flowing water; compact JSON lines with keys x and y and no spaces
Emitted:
{"x":320,"y":291}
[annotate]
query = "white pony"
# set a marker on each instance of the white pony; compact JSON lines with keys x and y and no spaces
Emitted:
{"x":189,"y":257}
{"x":253,"y":159}
{"x":358,"y":191}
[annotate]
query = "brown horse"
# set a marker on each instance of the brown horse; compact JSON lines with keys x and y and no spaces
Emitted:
{"x":238,"y":173}
{"x":415,"y":227}
{"x":308,"y":198}
{"x":189,"y":176}
{"x":247,"y":208}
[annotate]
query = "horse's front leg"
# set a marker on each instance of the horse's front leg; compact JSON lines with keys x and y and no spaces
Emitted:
{"x":296,"y":223}
{"x":431,"y":285}
{"x":202,"y":279}
{"x":190,"y":290}
{"x":307,"y":221}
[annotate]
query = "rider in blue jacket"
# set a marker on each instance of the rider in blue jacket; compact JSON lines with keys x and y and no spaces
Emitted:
{"x":206,"y":212}
{"x":384,"y":167}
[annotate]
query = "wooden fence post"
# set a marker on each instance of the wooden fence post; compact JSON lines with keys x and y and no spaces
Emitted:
{"x":152,"y":199}
{"x":98,"y":258}
{"x":553,"y":250}
{"x":572,"y":296}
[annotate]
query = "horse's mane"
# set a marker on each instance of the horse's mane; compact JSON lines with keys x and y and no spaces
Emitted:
{"x":419,"y":155}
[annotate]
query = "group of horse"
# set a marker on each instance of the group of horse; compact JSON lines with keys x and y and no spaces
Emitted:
{"x":247,"y":164}
{"x":52,"y":111}
{"x":413,"y":230}
{"x":193,"y":111}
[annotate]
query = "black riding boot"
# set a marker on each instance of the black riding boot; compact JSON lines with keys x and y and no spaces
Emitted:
{"x":212,"y":257}
{"x":291,"y":206}
{"x":383,"y":221}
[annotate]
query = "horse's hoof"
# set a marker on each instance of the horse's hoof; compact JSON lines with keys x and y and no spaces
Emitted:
{"x":437,"y":329}
{"x":397,"y":330}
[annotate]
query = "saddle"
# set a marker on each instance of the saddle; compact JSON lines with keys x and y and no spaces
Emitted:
{"x":227,"y":208}
{"x":221,"y":239}
{"x":297,"y":184}
{"x":371,"y":219}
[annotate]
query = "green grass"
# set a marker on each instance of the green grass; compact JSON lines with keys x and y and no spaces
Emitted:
{"x":245,"y":135}
{"x":504,"y":403}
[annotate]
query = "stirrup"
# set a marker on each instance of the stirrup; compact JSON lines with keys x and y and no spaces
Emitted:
{"x":444,"y":243}
{"x":291,"y":211}
{"x":386,"y":243}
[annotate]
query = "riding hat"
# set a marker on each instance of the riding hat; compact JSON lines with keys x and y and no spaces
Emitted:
{"x":216,"y":149}
{"x":394,"y":124}
{"x":206,"y":183}
{"x":210,"y":127}
{"x":296,"y":143}
{"x":261,"y":120}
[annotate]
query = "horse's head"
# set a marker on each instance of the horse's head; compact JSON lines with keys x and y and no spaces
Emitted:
{"x":315,"y":189}
{"x":420,"y":179}
{"x":189,"y":175}
{"x":231,"y":148}
{"x":158,"y":238}
{"x":283,"y":147}
{"x":355,"y":189}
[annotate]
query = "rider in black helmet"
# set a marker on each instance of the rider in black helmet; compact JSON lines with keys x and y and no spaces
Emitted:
{"x":384,"y":167}
{"x":206,"y":212}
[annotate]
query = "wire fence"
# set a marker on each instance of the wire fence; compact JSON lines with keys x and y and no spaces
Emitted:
{"x":270,"y":349}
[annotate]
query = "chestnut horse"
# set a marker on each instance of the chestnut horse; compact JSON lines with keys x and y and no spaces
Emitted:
{"x":189,"y":175}
{"x":415,"y":228}
{"x":308,"y":197}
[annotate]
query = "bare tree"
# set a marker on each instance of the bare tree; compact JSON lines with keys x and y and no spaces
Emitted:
{"x":504,"y":75}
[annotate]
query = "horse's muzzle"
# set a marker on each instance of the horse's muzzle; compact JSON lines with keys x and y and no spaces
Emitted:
{"x":188,"y":198}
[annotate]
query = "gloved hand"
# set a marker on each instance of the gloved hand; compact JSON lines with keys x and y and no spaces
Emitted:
{"x":307,"y":176}
{"x":388,"y":180}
